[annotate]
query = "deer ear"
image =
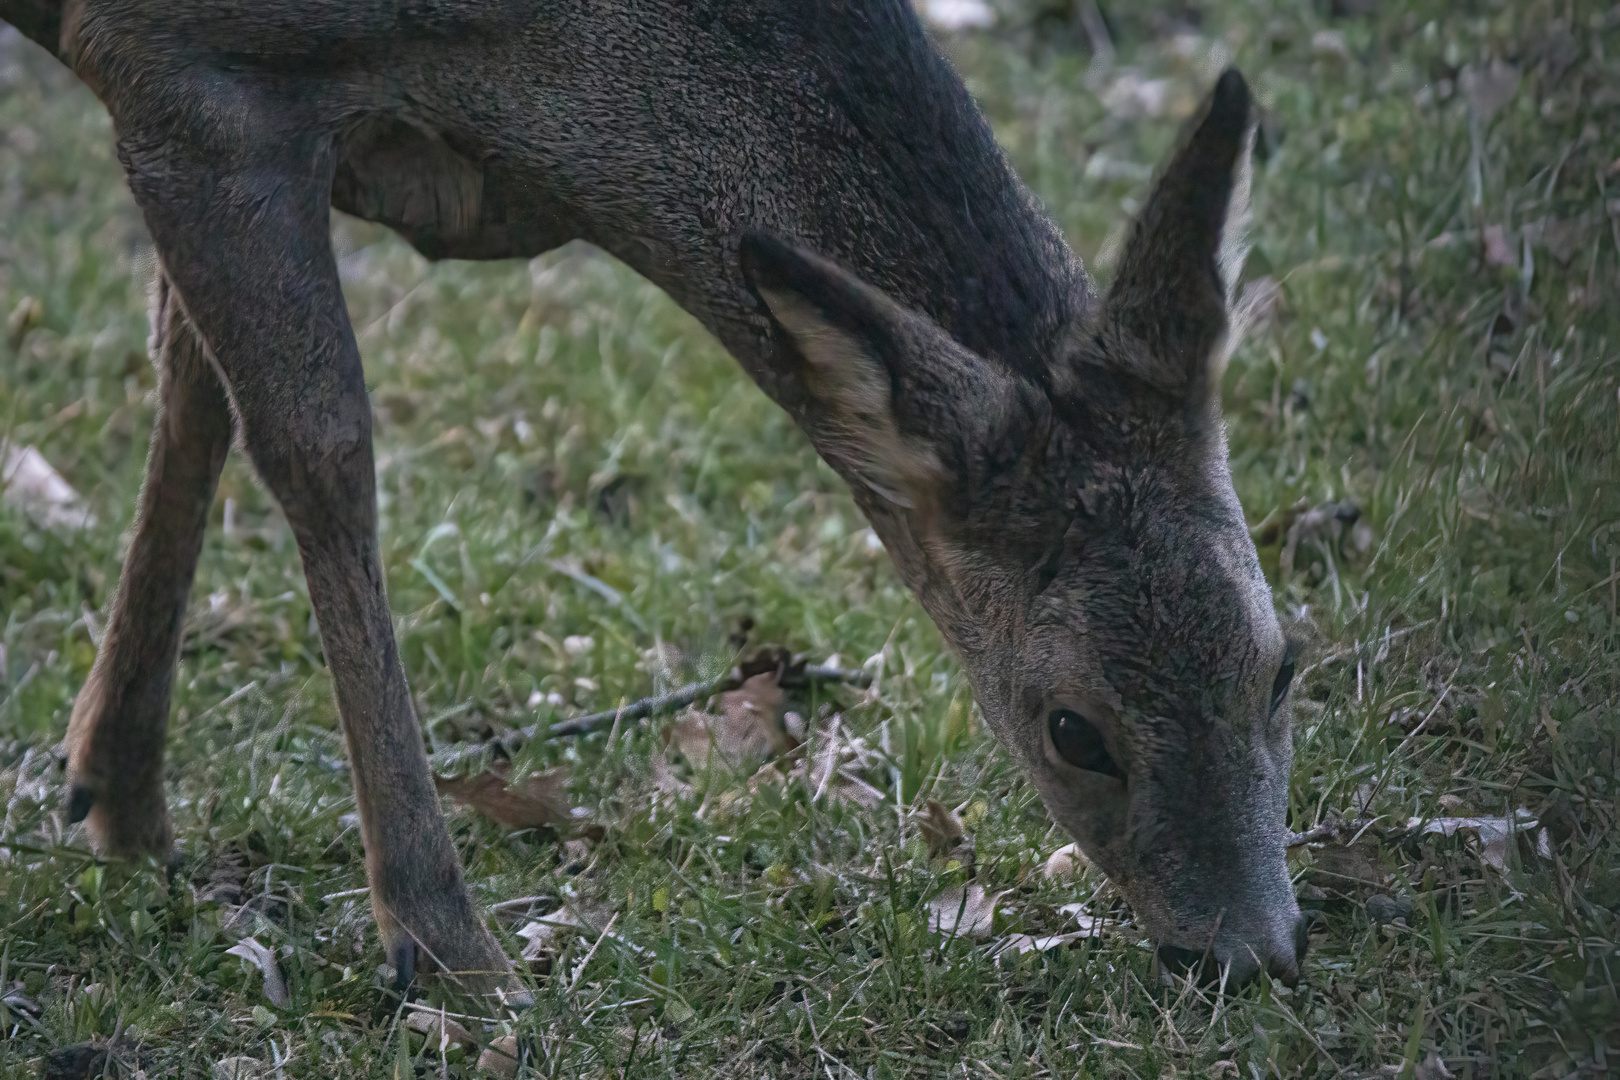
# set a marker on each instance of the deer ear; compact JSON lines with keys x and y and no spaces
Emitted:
{"x":866,"y":379}
{"x":1186,"y":249}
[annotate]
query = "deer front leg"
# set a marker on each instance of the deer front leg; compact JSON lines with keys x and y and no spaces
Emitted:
{"x":115,"y":738}
{"x":242,"y":227}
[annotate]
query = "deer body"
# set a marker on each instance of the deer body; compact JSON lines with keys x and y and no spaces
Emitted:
{"x":1044,"y":464}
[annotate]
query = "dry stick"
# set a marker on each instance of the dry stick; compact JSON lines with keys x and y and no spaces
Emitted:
{"x":656,"y":705}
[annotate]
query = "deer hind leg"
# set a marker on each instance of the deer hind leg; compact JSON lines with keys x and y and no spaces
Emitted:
{"x":242,"y":228}
{"x":115,"y":738}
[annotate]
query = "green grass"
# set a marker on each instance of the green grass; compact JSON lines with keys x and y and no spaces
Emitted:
{"x":1464,"y":658}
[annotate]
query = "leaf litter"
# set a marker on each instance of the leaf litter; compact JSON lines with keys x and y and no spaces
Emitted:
{"x":31,"y":484}
{"x":539,"y":800}
{"x":965,"y":911}
{"x":263,"y":958}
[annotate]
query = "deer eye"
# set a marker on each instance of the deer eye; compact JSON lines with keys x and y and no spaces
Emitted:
{"x":1079,"y":743}
{"x":1285,"y":675}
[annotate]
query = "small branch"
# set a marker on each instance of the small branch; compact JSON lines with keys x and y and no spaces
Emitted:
{"x":657,"y":705}
{"x":639,"y":710}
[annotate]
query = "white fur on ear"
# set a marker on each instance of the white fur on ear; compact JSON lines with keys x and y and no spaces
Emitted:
{"x":1245,"y":312}
{"x":853,"y":422}
{"x":1234,"y":245}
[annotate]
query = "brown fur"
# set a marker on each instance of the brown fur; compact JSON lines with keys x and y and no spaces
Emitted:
{"x":1046,"y":467}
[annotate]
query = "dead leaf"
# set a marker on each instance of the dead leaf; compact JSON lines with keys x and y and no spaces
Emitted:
{"x":20,"y":1004}
{"x":964,"y":912}
{"x":1491,"y":834}
{"x":665,"y":778}
{"x":544,"y":935}
{"x":837,"y":770}
{"x":30,"y":484}
{"x":1090,"y":925}
{"x":748,"y":731}
{"x":540,"y":799}
{"x":441,"y":1030}
{"x":1023,"y":943}
{"x":275,"y":985}
{"x":238,"y":1068}
{"x":940,"y":828}
{"x":501,"y":1056}
{"x":1065,"y":864}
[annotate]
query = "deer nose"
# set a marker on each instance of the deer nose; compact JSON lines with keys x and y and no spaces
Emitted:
{"x":1281,"y":959}
{"x":1286,"y":963}
{"x":1284,"y":956}
{"x":1184,"y":963}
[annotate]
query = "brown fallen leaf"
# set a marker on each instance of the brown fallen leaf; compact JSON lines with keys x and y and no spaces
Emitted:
{"x":238,"y":1068}
{"x":964,"y":912}
{"x":1090,"y":925}
{"x":1492,"y":833}
{"x":540,"y":799}
{"x":501,"y":1056}
{"x":31,"y":484}
{"x":747,"y":732}
{"x":261,"y":957}
{"x":837,"y":770}
{"x":19,"y":1004}
{"x":1023,"y":943}
{"x":1065,"y":864}
{"x":543,"y":935}
{"x":940,"y":828}
{"x":441,"y":1030}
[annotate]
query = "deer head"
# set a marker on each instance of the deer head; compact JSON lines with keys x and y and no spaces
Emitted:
{"x":1077,"y":538}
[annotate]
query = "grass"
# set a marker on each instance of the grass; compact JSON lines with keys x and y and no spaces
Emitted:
{"x":1464,"y":658}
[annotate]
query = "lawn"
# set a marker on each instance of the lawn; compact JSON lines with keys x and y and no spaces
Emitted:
{"x":585,"y":503}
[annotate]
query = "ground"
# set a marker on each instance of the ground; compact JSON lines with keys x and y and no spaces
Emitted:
{"x":584,"y":501}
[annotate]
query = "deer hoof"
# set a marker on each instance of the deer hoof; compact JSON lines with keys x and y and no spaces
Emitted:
{"x":80,"y":799}
{"x":402,"y":958}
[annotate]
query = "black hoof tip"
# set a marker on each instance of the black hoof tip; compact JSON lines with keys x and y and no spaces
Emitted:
{"x":403,"y":960}
{"x":80,"y":799}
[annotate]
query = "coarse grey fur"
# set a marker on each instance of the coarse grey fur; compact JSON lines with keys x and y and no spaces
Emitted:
{"x":1046,"y":466}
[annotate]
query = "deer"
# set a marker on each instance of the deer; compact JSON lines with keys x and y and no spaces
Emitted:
{"x":1044,"y":461}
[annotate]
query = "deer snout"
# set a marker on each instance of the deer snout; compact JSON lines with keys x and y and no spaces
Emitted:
{"x":1278,"y":950}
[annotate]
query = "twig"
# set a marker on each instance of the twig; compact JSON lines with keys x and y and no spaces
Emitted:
{"x":1332,"y":829}
{"x":657,"y":705}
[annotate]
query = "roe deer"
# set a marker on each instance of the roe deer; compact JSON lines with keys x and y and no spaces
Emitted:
{"x":1047,"y":466}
